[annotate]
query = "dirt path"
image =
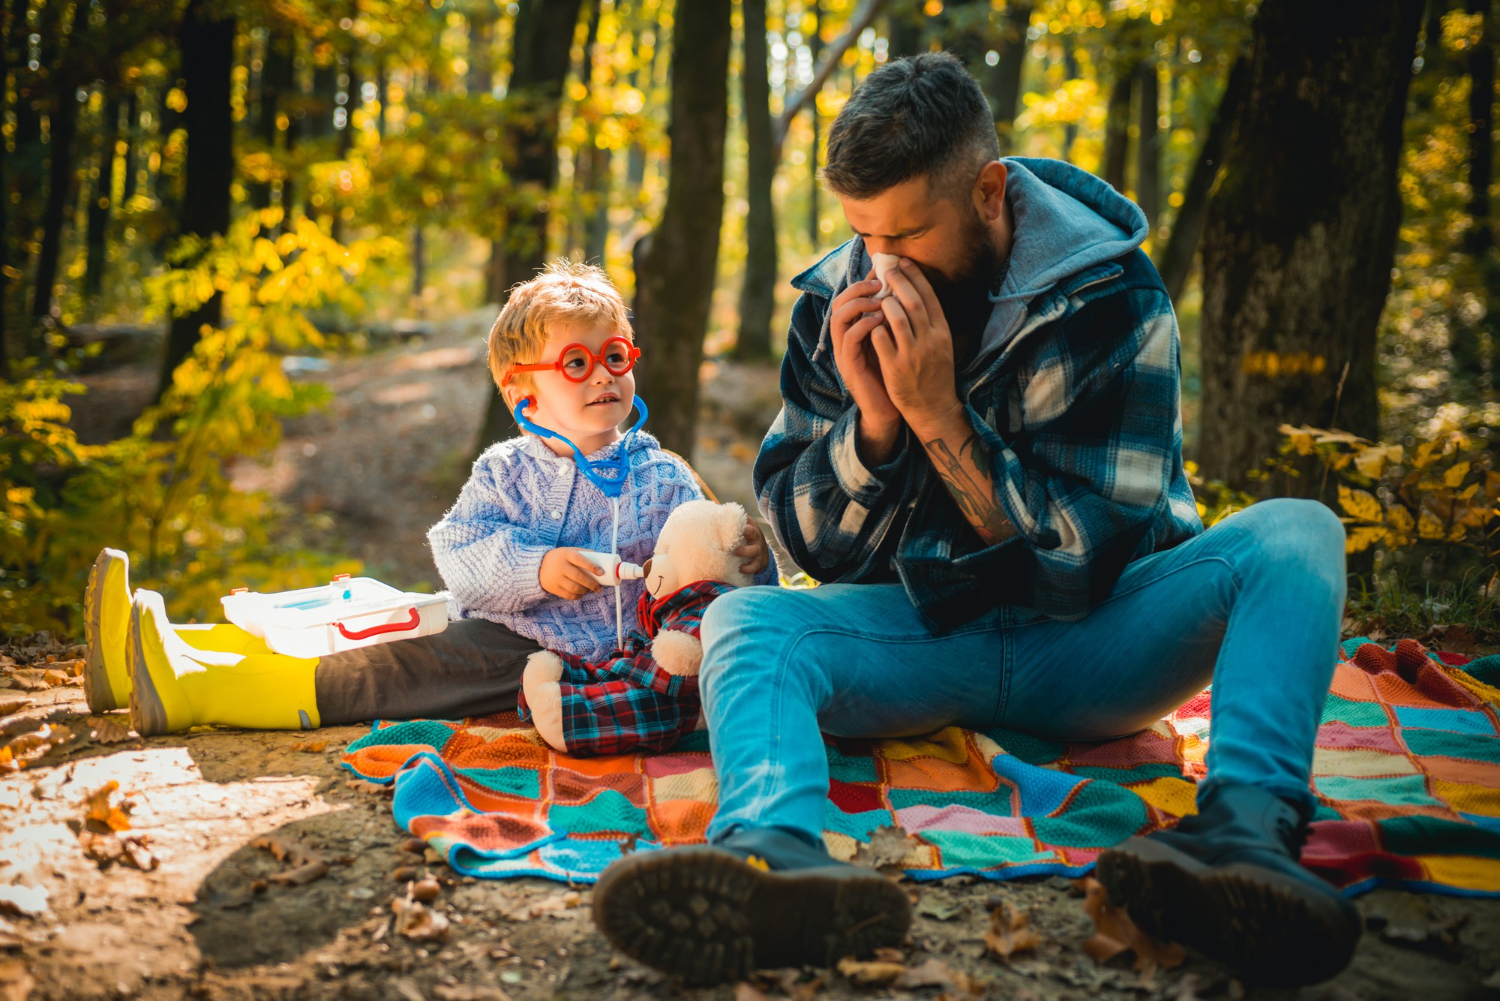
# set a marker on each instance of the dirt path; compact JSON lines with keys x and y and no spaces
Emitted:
{"x":210,"y":921}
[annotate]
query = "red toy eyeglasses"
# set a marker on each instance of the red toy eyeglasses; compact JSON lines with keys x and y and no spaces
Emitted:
{"x":576,"y":362}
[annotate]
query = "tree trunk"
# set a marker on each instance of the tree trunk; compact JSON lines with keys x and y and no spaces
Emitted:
{"x":9,"y":28}
{"x":291,"y":136}
{"x":318,"y":124}
{"x":589,"y":225}
{"x":1005,"y":77}
{"x":418,"y":261}
{"x":481,"y":78}
{"x":380,"y":94}
{"x":815,"y":46}
{"x":904,"y":30}
{"x":276,"y":83}
{"x":60,"y":192}
{"x":635,"y":157}
{"x":100,"y":202}
{"x":1175,"y":259}
{"x":132,"y":140}
{"x":350,"y":94}
{"x":1480,"y":237}
{"x":351,"y":97}
{"x":539,"y":65}
{"x":758,"y":293}
{"x":1117,"y":128}
{"x":1148,"y":143}
{"x":675,"y":278}
{"x":207,"y":48}
{"x":28,"y":165}
{"x":1070,"y":131}
{"x":1479,"y":241}
{"x":1300,"y":234}
{"x":965,"y":32}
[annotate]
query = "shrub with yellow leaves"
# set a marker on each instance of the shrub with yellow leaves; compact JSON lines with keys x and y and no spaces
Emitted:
{"x":163,"y":493}
{"x":1216,"y":499}
{"x":1442,"y":493}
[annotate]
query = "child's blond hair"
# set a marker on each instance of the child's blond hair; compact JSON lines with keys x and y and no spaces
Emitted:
{"x":565,"y":291}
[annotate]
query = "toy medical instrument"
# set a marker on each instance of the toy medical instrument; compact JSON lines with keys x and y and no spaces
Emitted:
{"x":609,"y":475}
{"x":345,"y":614}
{"x":612,"y":567}
{"x":576,"y":362}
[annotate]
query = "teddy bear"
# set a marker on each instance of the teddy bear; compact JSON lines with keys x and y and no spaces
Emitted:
{"x":645,"y":695}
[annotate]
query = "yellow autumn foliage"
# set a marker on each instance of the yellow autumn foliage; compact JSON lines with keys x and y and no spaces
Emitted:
{"x":1443,"y":492}
{"x":162,"y":493}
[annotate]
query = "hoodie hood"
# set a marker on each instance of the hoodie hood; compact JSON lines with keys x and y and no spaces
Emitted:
{"x":1066,"y":221}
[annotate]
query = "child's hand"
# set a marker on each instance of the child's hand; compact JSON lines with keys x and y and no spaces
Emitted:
{"x":569,"y":575}
{"x":754,"y":551}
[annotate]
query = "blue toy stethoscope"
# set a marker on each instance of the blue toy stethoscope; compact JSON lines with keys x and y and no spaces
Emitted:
{"x":609,"y":475}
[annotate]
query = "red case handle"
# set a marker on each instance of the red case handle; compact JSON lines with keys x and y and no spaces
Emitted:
{"x":389,"y":627}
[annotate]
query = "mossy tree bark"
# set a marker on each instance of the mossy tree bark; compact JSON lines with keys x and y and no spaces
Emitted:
{"x":1300,"y":234}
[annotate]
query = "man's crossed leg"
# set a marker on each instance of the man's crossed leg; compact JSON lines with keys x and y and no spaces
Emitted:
{"x":1252,"y":605}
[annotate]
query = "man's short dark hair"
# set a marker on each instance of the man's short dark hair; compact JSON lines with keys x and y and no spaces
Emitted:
{"x":923,"y":115}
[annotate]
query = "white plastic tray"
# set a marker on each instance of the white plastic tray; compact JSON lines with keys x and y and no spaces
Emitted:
{"x":346,"y":614}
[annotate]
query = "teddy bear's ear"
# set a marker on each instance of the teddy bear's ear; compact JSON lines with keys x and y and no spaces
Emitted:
{"x":731,"y":525}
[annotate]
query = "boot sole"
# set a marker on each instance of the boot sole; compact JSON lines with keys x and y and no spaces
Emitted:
{"x":1270,"y":928}
{"x":96,"y":687}
{"x":709,"y":916}
{"x":147,"y":714}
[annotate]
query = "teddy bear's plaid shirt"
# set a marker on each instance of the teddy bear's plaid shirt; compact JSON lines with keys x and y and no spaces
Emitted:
{"x":628,"y":702}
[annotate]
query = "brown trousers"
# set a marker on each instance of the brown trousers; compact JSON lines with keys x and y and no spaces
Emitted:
{"x":472,"y":668}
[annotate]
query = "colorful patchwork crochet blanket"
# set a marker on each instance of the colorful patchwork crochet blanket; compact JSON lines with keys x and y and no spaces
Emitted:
{"x":1407,"y":772}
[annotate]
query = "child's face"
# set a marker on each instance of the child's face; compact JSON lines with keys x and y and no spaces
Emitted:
{"x":588,"y":412}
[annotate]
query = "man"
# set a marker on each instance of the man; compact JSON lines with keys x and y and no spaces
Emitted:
{"x":988,"y":462}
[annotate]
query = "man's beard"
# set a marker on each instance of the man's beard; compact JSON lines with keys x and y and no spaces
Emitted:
{"x":965,"y":297}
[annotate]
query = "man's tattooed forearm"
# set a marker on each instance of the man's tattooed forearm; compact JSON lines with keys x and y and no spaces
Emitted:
{"x":968,"y":487}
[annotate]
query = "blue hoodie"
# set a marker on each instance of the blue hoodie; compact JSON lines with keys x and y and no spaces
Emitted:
{"x":1073,"y":392}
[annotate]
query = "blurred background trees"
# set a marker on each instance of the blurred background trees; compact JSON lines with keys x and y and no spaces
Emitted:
{"x":1318,"y":178}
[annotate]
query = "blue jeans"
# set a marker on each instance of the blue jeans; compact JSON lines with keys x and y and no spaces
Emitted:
{"x":1254,"y":605}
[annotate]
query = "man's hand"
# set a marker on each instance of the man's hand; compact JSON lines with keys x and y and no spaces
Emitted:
{"x":854,"y":314}
{"x":915,"y":348}
{"x":754,"y":551}
{"x":568,"y":574}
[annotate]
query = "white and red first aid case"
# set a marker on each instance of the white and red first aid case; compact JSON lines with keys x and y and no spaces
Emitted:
{"x":346,"y":614}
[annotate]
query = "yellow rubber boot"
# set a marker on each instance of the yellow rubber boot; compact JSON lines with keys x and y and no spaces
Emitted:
{"x":176,"y":686}
{"x":106,"y":628}
{"x":106,"y":623}
{"x":223,"y":637}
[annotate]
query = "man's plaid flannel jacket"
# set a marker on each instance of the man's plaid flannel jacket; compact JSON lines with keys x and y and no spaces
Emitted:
{"x":1078,"y":412}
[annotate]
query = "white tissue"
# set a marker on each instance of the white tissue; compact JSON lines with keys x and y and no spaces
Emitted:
{"x":884,"y":264}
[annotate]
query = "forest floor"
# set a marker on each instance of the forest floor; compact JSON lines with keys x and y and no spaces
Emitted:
{"x":208,"y":901}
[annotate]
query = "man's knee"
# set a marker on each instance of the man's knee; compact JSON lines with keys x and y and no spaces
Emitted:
{"x":1305,"y":534}
{"x":744,"y":621}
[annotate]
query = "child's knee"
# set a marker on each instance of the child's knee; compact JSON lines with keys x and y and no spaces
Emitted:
{"x":542,"y":667}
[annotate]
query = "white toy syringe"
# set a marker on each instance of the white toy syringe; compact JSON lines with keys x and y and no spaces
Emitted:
{"x":613,"y":567}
